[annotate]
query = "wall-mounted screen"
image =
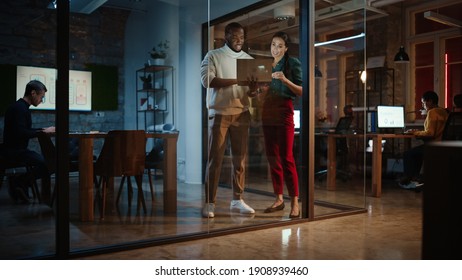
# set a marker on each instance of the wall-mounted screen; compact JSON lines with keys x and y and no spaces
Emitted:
{"x":79,"y":87}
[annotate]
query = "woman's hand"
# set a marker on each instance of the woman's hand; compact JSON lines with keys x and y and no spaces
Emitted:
{"x":279,"y":75}
{"x":296,"y":89}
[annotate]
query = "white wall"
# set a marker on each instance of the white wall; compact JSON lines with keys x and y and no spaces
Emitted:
{"x":182,"y":26}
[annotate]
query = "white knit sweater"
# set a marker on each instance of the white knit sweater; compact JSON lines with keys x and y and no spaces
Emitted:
{"x":221,"y":63}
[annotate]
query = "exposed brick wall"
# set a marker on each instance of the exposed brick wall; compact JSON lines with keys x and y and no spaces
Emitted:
{"x":387,"y":44}
{"x":28,"y":37}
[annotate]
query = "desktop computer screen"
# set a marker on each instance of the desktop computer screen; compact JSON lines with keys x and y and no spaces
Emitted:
{"x":297,"y":120}
{"x":390,"y":116}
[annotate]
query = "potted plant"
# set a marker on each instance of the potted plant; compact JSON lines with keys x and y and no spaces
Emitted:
{"x":159,"y":52}
{"x":147,"y":81}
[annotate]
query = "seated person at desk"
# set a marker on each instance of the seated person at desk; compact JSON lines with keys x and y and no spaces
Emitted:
{"x":16,"y":134}
{"x":433,"y":130}
{"x":348,"y":110}
{"x":457,"y":103}
{"x":343,"y":127}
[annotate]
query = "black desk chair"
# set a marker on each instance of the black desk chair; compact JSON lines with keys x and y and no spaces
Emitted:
{"x":10,"y":168}
{"x":343,"y":173}
{"x":453,"y":127}
{"x":155,"y":161}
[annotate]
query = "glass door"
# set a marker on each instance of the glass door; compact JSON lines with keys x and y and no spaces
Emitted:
{"x":340,"y":94}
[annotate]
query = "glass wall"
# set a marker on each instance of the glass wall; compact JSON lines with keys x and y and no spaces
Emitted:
{"x":28,"y":38}
{"x":342,"y":101}
{"x":261,"y":23}
{"x":115,"y":42}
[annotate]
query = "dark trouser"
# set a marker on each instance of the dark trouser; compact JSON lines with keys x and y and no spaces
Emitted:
{"x":29,"y":158}
{"x":37,"y":165}
{"x":413,"y":160}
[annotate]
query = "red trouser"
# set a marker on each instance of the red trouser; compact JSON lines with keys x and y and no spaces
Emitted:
{"x":278,"y":129}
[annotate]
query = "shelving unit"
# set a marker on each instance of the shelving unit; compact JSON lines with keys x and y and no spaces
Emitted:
{"x":380,"y":89}
{"x":377,"y":85}
{"x":153,"y":98}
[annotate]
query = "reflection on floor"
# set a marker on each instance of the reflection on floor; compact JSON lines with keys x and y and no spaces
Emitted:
{"x":390,"y":230}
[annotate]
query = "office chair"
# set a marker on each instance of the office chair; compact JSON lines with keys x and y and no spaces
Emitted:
{"x":123,"y":155}
{"x":16,"y":167}
{"x":343,"y":173}
{"x":453,"y":127}
{"x":155,"y":161}
{"x":10,"y":168}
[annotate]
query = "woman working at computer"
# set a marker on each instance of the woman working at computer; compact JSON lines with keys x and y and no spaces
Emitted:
{"x":278,"y":122}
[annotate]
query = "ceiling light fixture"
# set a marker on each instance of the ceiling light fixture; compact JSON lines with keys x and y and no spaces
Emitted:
{"x":284,"y":12}
{"x":401,"y":56}
{"x":442,"y":19}
{"x":381,"y":3}
{"x":363,"y":76}
{"x":339,"y":40}
{"x":52,"y":5}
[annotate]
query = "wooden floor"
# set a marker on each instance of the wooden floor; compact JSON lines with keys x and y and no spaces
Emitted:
{"x":391,"y":228}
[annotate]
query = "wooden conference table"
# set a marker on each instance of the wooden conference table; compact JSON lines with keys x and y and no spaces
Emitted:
{"x":86,"y":141}
{"x":376,"y":157}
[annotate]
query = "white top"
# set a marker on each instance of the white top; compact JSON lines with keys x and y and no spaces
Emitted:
{"x":221,"y":63}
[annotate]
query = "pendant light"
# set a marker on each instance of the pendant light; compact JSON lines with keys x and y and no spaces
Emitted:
{"x":317,"y":72}
{"x":401,"y":56}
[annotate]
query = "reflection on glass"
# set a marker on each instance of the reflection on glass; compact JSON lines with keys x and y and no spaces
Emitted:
{"x":339,"y":50}
{"x":260,"y":25}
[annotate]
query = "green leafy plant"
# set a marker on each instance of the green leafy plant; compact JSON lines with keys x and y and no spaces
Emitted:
{"x":160,"y":51}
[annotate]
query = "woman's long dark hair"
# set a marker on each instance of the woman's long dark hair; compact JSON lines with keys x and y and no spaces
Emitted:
{"x":285,"y":37}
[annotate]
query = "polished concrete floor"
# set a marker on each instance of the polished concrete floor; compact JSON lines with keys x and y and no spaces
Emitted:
{"x":390,"y":230}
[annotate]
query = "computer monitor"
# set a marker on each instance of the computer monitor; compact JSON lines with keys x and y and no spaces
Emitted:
{"x":297,"y":120}
{"x":390,"y":116}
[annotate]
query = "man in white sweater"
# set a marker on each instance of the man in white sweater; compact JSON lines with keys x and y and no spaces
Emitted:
{"x":228,"y":113}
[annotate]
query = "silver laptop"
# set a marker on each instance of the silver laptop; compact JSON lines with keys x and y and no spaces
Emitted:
{"x":259,"y":68}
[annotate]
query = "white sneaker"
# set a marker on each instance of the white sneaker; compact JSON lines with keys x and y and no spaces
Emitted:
{"x":209,"y":210}
{"x":411,"y":185}
{"x":241,"y":207}
{"x":418,"y":184}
